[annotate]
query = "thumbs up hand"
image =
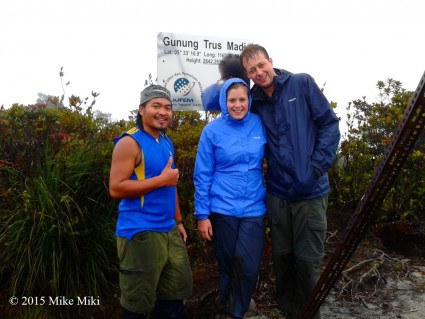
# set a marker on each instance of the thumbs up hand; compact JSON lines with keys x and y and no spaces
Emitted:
{"x":170,"y":175}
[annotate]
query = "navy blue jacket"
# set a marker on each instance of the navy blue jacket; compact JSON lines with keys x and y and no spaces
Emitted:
{"x":302,"y":133}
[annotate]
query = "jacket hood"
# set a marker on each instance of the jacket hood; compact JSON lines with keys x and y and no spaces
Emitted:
{"x":223,"y":98}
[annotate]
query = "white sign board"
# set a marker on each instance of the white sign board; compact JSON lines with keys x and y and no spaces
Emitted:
{"x":193,"y":68}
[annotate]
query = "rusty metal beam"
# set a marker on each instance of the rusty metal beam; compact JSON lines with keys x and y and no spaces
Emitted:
{"x":403,"y":142}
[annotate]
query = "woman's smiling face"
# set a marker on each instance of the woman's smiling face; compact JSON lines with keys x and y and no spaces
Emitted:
{"x":237,"y":101}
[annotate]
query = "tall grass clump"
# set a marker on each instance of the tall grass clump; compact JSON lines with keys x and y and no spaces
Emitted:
{"x":56,"y":217}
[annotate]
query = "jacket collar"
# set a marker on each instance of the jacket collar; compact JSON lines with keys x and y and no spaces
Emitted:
{"x":279,"y":81}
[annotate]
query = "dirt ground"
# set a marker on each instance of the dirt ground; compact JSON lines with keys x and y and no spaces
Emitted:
{"x":385,"y":278}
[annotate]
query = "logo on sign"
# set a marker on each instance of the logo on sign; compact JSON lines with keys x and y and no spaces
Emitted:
{"x":182,"y":86}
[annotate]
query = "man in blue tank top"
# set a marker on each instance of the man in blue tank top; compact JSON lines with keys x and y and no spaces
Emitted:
{"x":155,"y":275}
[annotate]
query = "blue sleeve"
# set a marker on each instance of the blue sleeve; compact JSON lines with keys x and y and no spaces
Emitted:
{"x":211,"y":97}
{"x":203,"y":175}
{"x":327,"y":124}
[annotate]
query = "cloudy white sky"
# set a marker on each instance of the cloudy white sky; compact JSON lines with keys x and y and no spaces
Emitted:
{"x":110,"y":46}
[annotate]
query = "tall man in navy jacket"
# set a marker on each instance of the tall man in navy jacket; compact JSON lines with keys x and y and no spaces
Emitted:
{"x":303,"y":136}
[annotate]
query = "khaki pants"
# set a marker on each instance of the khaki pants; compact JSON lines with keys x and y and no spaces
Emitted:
{"x":297,"y":233}
{"x":153,"y":266}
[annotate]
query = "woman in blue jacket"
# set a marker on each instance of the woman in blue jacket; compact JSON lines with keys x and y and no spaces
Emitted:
{"x":230,"y":195}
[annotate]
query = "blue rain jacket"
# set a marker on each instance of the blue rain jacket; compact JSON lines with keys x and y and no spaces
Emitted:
{"x":228,"y":173}
{"x":211,"y":97}
{"x":303,"y":136}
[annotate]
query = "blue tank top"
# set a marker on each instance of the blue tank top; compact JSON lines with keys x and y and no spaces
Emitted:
{"x":155,"y":210}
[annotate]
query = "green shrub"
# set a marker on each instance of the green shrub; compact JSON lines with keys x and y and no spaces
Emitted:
{"x":57,"y":220}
